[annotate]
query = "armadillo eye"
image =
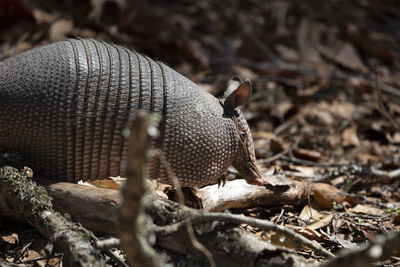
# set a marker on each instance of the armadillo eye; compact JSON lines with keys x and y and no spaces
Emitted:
{"x":242,"y":136}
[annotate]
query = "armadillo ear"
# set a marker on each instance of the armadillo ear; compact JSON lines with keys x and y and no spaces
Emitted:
{"x":233,"y":84}
{"x":239,"y":95}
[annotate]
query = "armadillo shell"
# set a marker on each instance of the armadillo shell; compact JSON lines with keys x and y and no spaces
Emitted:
{"x":64,"y":106}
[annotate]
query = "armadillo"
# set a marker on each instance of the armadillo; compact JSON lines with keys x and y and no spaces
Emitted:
{"x":65,"y":105}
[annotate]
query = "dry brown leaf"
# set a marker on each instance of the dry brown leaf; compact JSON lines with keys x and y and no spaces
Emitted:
{"x":262,"y":135}
{"x":347,"y":56}
{"x":314,"y":234}
{"x":43,"y":17}
{"x":60,"y":29}
{"x":287,"y":53}
{"x":276,"y":145}
{"x":337,"y":223}
{"x":308,"y":233}
{"x":244,"y":73}
{"x":281,"y":240}
{"x":325,"y":194}
{"x":308,"y":213}
{"x":281,"y":109}
{"x":306,"y":154}
{"x":338,"y":180}
{"x":304,"y":169}
{"x":342,"y":110}
{"x":394,"y":139}
{"x":339,"y":238}
{"x":319,"y":115}
{"x":105,"y":183}
{"x":11,"y":239}
{"x":321,"y":223}
{"x":364,"y":209}
{"x":32,"y":254}
{"x":349,"y":137}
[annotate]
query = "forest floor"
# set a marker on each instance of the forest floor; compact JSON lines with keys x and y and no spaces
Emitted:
{"x":325,"y":105}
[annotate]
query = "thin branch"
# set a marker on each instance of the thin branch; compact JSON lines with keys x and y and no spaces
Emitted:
{"x":135,"y":226}
{"x":237,"y":219}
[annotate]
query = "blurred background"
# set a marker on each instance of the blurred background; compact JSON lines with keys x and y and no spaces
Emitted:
{"x":326,"y":98}
{"x":324,"y":73}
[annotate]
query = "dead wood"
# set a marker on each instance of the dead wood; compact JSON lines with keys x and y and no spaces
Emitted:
{"x":34,"y":205}
{"x":95,"y":208}
{"x":172,"y":222}
{"x":239,"y":194}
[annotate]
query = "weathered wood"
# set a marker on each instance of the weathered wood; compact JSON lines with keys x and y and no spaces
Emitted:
{"x":34,"y":205}
{"x":95,"y":208}
{"x":239,"y":194}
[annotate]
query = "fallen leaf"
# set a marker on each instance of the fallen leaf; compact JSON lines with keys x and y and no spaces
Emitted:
{"x":349,"y":137}
{"x":343,"y":242}
{"x":106,"y":183}
{"x":11,"y":239}
{"x":281,"y":109}
{"x":60,"y":28}
{"x":325,"y":221}
{"x":337,"y":223}
{"x":319,"y":116}
{"x":287,"y":53}
{"x":364,"y":209}
{"x":308,"y":213}
{"x":306,"y":154}
{"x":276,"y":145}
{"x":347,"y":56}
{"x":325,"y":194}
{"x":244,"y":73}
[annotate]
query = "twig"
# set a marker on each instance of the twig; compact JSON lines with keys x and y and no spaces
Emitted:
{"x":237,"y":219}
{"x":385,"y":174}
{"x":385,"y":87}
{"x":108,"y":243}
{"x":135,"y":225}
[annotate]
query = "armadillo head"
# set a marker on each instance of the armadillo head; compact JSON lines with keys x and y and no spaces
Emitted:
{"x":238,"y":93}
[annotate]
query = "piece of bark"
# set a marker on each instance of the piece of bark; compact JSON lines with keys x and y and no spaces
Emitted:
{"x":33,"y":203}
{"x":239,"y":194}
